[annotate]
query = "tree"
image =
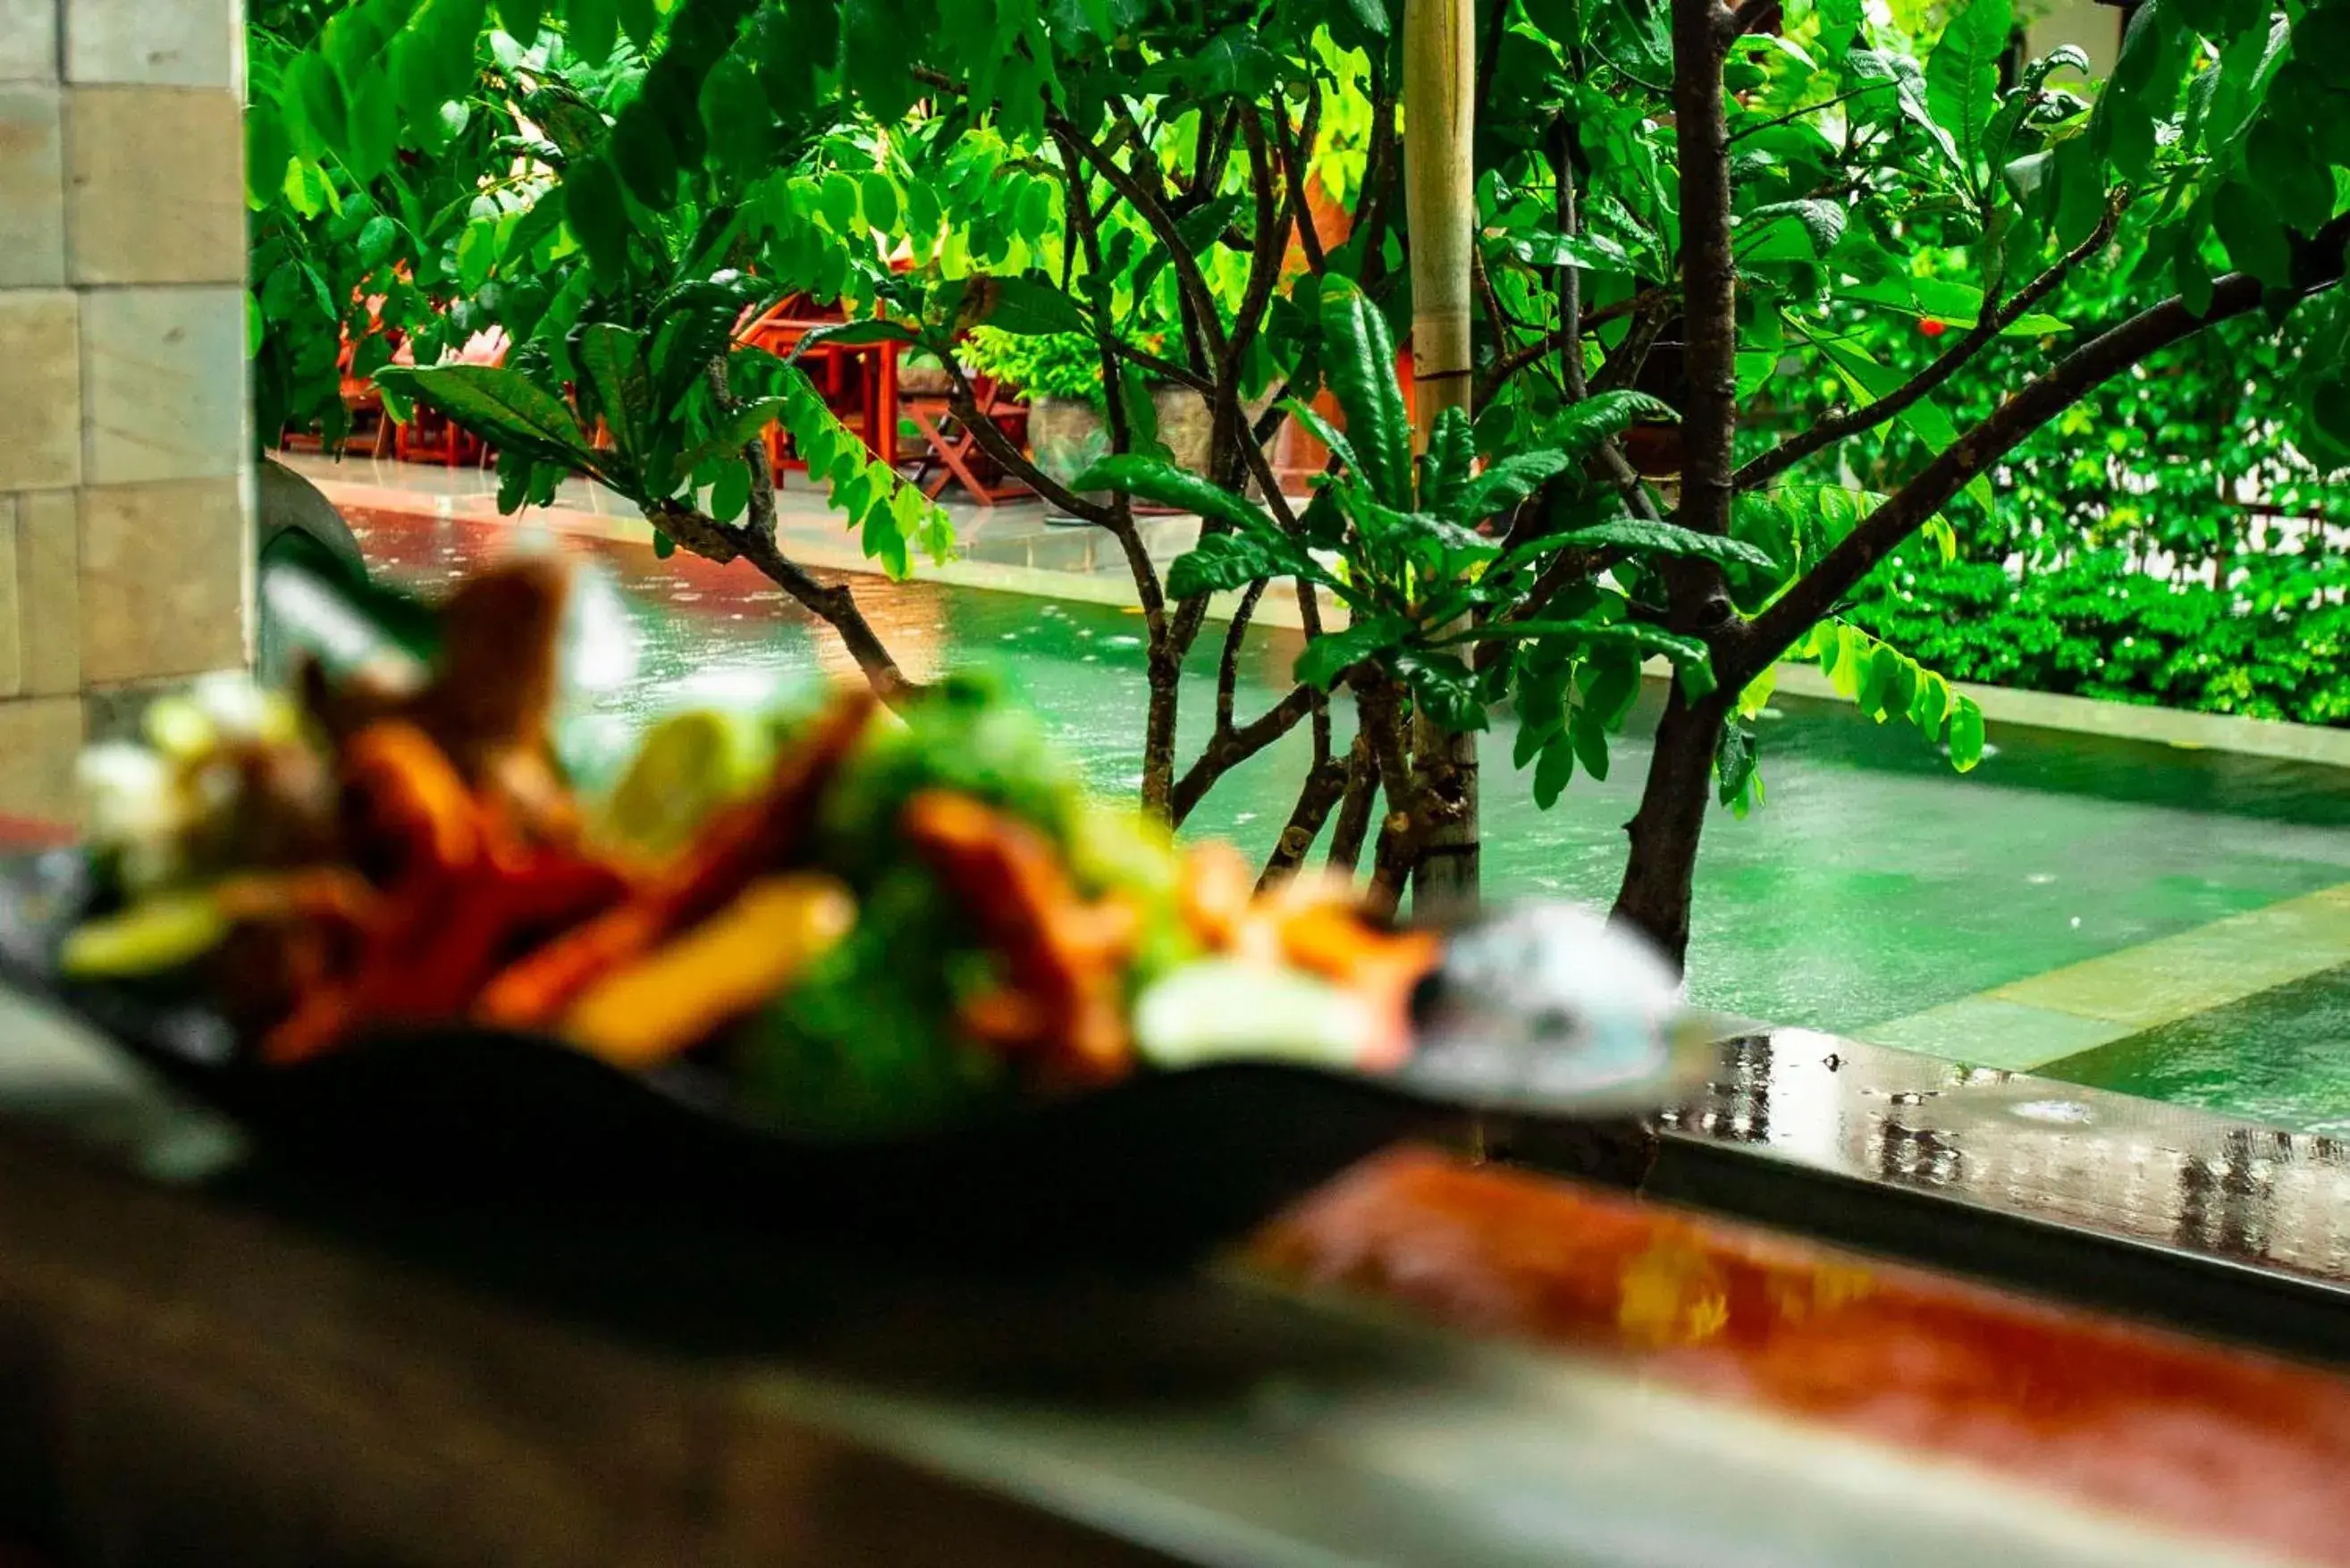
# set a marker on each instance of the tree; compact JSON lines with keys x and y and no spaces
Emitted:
{"x":1069,"y":181}
{"x":1676,"y":211}
{"x":2026,"y":183}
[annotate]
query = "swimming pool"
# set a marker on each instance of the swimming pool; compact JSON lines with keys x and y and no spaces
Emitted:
{"x":1876,"y":893}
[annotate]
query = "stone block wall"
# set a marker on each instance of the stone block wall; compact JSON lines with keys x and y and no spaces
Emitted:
{"x":125,"y":531}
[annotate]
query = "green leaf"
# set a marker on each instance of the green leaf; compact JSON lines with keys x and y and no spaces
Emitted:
{"x":597,"y":214}
{"x":613,"y":364}
{"x":880,"y":534}
{"x":1026,"y":305}
{"x":521,"y":18}
{"x":1909,"y":92}
{"x":730,"y":493}
{"x":1322,"y":431}
{"x":2244,"y":71}
{"x":645,"y":152}
{"x":663,"y":546}
{"x":1963,"y":74}
{"x":477,"y":251}
{"x":1200,"y":228}
{"x":1451,"y":454}
{"x":373,"y":127}
{"x":641,"y":19}
{"x":1156,"y":479}
{"x":2254,"y":236}
{"x":1734,"y":762}
{"x":1966,"y":735}
{"x":1635,"y":37}
{"x":501,"y":407}
{"x":1359,"y":358}
{"x":1443,"y":687}
{"x":1221,"y":562}
{"x":1334,"y":653}
{"x":880,"y":197}
{"x":1839,"y":21}
{"x":1506,"y":483}
{"x":1635,"y":637}
{"x":1926,"y":419}
{"x":1141,"y":411}
{"x":1438,"y":545}
{"x":590,"y":27}
{"x":1929,"y":704}
{"x":1638,"y":534}
{"x":377,"y":237}
{"x":2080,"y":193}
{"x":1590,"y":742}
{"x":268,"y":147}
{"x":736,"y":115}
{"x":2141,"y":90}
{"x":1789,"y":230}
{"x":2298,"y":185}
{"x":312,"y":82}
{"x":1582,"y":429}
{"x":1554,"y":771}
{"x":735,"y":433}
{"x":838,"y":200}
{"x":867,"y":329}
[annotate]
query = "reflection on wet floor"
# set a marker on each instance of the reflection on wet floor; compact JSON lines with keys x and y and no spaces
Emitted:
{"x":2034,"y":1147}
{"x":1874,"y":885}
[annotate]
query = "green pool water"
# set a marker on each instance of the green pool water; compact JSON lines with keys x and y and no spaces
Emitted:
{"x":1875,"y":883}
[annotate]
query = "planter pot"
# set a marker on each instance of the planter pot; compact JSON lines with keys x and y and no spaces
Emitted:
{"x":1067,"y":436}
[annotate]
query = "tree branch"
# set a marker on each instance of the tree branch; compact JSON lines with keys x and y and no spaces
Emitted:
{"x":1651,"y":309}
{"x":1297,"y":160}
{"x":2318,"y":265}
{"x":1154,"y":211}
{"x":1756,"y":127}
{"x":1567,"y":279}
{"x":1228,"y":665}
{"x":1378,"y":181}
{"x":835,"y":606}
{"x":1762,"y":470}
{"x":1508,"y":365}
{"x":1355,"y":808}
{"x":1397,"y":850}
{"x":1120,"y":521}
{"x":1325,"y":786}
{"x":1229,"y":748}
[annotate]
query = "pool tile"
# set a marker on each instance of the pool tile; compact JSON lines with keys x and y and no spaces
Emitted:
{"x":2198,"y":970}
{"x":1988,"y":1032}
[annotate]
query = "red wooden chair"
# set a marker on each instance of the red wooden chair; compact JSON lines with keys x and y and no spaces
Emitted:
{"x":953,"y":449}
{"x":857,"y":382}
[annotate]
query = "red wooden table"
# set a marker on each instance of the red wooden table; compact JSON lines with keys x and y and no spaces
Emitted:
{"x":2207,"y":1437}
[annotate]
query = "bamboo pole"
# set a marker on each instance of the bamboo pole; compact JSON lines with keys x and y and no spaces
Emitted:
{"x":1440,"y":205}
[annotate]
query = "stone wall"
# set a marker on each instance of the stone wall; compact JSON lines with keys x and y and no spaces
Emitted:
{"x":124,"y":484}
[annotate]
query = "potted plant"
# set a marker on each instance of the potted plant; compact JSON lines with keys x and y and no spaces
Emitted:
{"x":1060,"y":375}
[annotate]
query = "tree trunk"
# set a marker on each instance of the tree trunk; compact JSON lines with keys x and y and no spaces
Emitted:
{"x":1164,"y":673}
{"x":1655,"y":896}
{"x":1440,"y":204}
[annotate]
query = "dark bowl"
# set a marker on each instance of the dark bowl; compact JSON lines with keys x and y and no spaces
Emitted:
{"x":1159,"y":1167}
